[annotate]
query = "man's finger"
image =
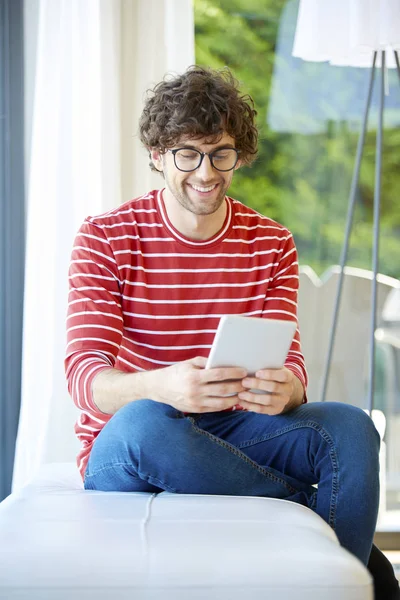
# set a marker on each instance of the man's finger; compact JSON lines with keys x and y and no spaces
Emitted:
{"x":198,"y":361}
{"x":264,"y":409}
{"x":223,"y":374}
{"x":266,"y":399}
{"x":280,"y":375}
{"x":217,"y":403}
{"x":265,"y":386}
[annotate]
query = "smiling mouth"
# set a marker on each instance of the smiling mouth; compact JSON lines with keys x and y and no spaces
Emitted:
{"x":203,"y":190}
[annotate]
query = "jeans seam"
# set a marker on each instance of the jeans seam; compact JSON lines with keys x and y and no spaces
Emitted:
{"x":242,"y":456}
{"x":313,"y":501}
{"x":162,"y":484}
{"x":106,"y":467}
{"x":332,"y":454}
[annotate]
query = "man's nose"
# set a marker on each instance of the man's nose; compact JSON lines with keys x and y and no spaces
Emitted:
{"x":206,"y":170}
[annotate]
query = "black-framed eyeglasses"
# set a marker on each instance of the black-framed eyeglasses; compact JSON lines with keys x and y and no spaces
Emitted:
{"x":189,"y":159}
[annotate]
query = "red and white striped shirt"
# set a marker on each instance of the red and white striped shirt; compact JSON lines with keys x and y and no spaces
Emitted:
{"x":142,"y":296}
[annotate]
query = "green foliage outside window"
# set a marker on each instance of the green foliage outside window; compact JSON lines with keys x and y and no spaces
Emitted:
{"x":303,"y":180}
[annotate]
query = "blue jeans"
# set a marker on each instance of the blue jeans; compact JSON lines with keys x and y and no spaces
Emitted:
{"x":152,"y":447}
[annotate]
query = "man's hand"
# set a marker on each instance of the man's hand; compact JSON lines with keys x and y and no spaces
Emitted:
{"x":189,"y":387}
{"x":283,"y":392}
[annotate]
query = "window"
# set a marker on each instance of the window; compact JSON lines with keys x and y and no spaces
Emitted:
{"x":309,"y":116}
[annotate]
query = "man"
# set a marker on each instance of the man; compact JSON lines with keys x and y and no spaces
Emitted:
{"x":149,"y":282}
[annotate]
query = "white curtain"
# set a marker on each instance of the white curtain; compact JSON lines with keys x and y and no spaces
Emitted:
{"x":92,"y":62}
{"x":157,"y":37}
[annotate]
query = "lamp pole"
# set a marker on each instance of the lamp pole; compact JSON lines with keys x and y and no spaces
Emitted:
{"x":349,"y":224}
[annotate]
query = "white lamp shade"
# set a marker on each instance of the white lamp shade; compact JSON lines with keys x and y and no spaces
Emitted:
{"x":306,"y":96}
{"x":347,"y":32}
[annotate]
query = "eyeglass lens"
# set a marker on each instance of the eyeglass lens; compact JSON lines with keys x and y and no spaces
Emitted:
{"x":223,"y":159}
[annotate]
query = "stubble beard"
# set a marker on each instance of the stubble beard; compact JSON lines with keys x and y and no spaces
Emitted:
{"x":200,"y":209}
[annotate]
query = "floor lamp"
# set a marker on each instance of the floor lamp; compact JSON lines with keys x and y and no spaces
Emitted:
{"x":376,"y":227}
{"x":349,"y":33}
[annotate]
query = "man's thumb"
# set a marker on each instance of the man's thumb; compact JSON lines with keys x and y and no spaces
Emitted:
{"x":199,"y":361}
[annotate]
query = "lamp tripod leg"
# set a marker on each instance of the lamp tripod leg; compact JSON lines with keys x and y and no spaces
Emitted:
{"x":396,"y":57}
{"x":349,"y":223}
{"x":376,"y":228}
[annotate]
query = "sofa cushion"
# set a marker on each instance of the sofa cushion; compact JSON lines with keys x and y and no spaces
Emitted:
{"x":58,"y":541}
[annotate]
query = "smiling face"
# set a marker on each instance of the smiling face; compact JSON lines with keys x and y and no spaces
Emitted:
{"x":201,"y":192}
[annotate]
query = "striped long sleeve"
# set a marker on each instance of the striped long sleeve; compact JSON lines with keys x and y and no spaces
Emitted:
{"x":281,"y":303}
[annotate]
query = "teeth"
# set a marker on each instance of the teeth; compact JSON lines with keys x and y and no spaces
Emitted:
{"x":203,"y":189}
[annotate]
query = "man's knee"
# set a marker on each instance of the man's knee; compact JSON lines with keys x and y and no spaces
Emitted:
{"x":135,"y":427}
{"x":144,"y":419}
{"x":345,"y":420}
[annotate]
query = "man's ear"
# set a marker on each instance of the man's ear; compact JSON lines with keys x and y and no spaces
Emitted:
{"x":238,"y":165}
{"x":156,"y":157}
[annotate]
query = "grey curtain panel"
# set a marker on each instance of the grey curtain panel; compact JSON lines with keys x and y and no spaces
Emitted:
{"x":12,"y":230}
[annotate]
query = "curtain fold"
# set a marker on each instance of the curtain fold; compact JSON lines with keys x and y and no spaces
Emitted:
{"x":94,"y":61}
{"x":73,"y":172}
{"x":157,"y":38}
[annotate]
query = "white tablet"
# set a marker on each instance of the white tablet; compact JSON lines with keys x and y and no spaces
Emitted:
{"x":253,"y":343}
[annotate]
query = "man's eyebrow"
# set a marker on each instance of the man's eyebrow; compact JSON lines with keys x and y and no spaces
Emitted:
{"x":227,"y":146}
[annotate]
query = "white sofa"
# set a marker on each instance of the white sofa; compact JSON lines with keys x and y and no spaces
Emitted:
{"x":58,"y":542}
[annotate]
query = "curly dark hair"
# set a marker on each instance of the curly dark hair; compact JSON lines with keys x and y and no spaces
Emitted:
{"x":202,"y":102}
